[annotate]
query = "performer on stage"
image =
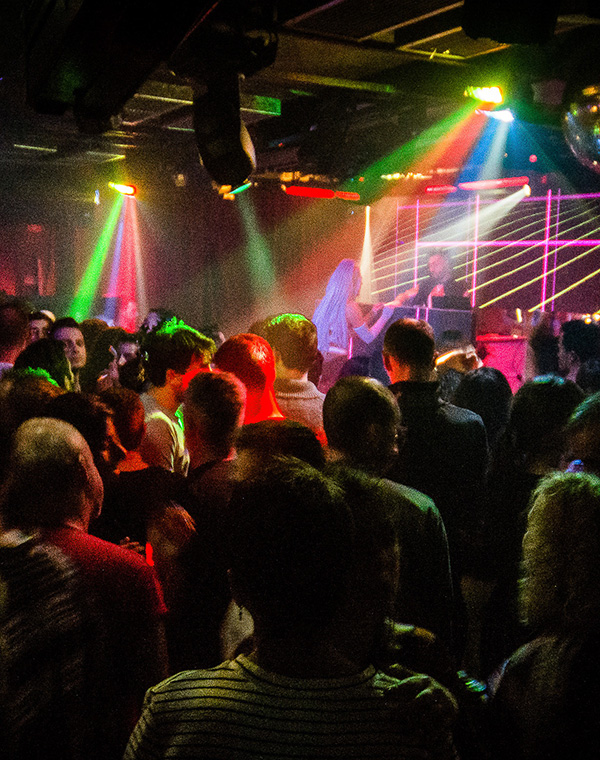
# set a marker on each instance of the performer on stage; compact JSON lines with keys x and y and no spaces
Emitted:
{"x":346,"y":328}
{"x":439,"y":282}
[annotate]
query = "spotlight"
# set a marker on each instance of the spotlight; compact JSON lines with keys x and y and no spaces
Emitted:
{"x":223,"y":141}
{"x":123,"y":189}
{"x":485,"y":94}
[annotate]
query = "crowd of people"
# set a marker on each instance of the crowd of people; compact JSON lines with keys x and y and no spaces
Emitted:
{"x":206,"y":552}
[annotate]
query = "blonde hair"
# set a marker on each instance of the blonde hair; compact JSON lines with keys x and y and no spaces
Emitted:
{"x":330,"y":315}
{"x":560,"y":588}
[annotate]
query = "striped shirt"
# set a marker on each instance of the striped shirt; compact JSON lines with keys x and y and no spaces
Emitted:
{"x":42,"y":649}
{"x":239,"y":711}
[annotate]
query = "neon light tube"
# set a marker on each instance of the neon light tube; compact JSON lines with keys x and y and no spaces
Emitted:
{"x":310,"y":192}
{"x":440,"y":189}
{"x":493,"y":184}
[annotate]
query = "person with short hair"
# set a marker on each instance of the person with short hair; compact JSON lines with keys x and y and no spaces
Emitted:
{"x":487,"y":392}
{"x":362,"y":420}
{"x":39,"y":325}
{"x":213,"y":410}
{"x":54,"y":487}
{"x":259,"y":442}
{"x":22,"y":396}
{"x":439,"y":282}
{"x":309,"y":688}
{"x":250,"y":358}
{"x":445,"y":450}
{"x":175,"y":352}
{"x":444,"y":453}
{"x":294,"y":340}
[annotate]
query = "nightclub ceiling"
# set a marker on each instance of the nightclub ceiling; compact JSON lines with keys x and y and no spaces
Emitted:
{"x":325,"y":88}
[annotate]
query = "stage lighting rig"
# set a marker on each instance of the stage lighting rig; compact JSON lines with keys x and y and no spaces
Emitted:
{"x":233,"y":43}
{"x":93,"y":57}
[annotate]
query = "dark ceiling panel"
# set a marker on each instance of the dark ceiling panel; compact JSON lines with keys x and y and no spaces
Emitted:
{"x":358,"y":19}
{"x":452,"y":43}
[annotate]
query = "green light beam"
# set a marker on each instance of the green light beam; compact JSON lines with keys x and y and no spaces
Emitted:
{"x":258,"y":255}
{"x":405,"y":157}
{"x":82,"y":303}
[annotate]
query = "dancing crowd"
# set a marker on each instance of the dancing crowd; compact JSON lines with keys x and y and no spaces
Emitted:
{"x":250,"y":548}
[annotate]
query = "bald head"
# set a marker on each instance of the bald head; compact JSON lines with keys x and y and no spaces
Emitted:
{"x":52,"y":476}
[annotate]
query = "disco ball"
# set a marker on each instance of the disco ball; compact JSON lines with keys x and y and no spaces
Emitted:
{"x":581,"y":125}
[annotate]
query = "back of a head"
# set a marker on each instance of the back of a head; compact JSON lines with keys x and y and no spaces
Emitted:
{"x":250,"y":358}
{"x":291,"y":538}
{"x":539,"y":413}
{"x":586,"y":414}
{"x":342,"y":280}
{"x":411,"y":342}
{"x":588,"y":376}
{"x":450,"y":340}
{"x":216,"y":401}
{"x":544,"y":344}
{"x":174,"y":346}
{"x":155,"y":319}
{"x":583,"y":435}
{"x":261,"y":441}
{"x":92,"y":329}
{"x":361,"y":420}
{"x":14,"y":325}
{"x":487,"y":392}
{"x":47,"y":474}
{"x":64,"y":322}
{"x":46,"y":354}
{"x":581,"y":338}
{"x":561,"y":555}
{"x":21,"y":398}
{"x":88,"y":415}
{"x":128,"y":415}
{"x":294,"y":337}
